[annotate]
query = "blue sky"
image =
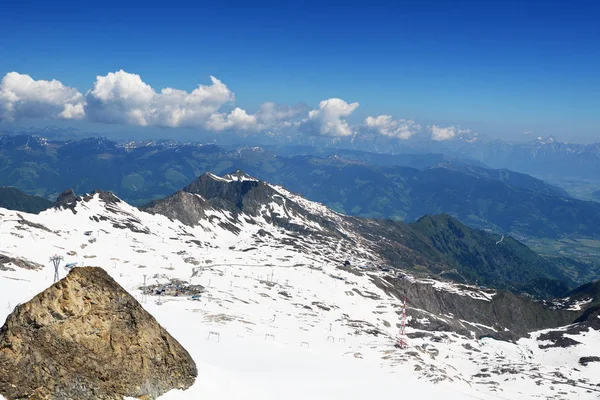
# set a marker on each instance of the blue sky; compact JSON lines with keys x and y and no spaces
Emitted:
{"x":498,"y":68}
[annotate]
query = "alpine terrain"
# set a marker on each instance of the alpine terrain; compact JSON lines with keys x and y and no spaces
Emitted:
{"x":276,"y":296}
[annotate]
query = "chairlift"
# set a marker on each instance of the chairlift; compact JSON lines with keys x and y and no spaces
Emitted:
{"x":70,"y":266}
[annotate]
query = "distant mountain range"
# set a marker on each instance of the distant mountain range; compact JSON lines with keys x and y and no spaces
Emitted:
{"x":542,"y":156}
{"x":500,"y":200}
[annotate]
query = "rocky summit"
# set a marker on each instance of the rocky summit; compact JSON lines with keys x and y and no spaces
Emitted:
{"x":85,"y":337}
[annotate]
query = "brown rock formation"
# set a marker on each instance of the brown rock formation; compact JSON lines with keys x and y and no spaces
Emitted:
{"x":84,"y":338}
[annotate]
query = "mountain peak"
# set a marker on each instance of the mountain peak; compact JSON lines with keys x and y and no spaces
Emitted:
{"x":237,"y":176}
{"x":107,"y":197}
{"x":232,"y":188}
{"x":240,"y":176}
{"x":67,"y":199}
{"x":546,"y":140}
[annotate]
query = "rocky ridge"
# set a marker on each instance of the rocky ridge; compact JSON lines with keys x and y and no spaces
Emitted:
{"x":435,"y":246}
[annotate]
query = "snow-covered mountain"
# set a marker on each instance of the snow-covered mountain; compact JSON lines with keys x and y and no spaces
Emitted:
{"x":253,"y":281}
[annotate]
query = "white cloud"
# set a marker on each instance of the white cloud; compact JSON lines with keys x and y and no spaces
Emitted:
{"x":236,"y":119}
{"x":23,"y":97}
{"x":438,"y":133}
{"x":124,"y":98}
{"x":121,"y":97}
{"x":73,"y":111}
{"x":272,"y":115}
{"x":387,"y":126}
{"x":329,"y":120}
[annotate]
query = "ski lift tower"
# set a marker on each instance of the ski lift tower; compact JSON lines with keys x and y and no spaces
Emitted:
{"x":402,"y":340}
{"x":56,"y":259}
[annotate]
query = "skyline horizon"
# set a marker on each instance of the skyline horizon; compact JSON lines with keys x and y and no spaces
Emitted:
{"x":124,"y":133}
{"x":500,"y":69}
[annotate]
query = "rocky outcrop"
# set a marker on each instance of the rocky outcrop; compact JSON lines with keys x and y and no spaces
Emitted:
{"x":503,"y":315}
{"x":232,"y":195}
{"x":588,"y":293}
{"x":7,"y":261}
{"x":182,"y":206}
{"x":67,"y":200}
{"x":85,"y":338}
{"x":586,"y":360}
{"x":235,"y":194}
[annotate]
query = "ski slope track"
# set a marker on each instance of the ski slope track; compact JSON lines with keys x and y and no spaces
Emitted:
{"x":278,"y":314}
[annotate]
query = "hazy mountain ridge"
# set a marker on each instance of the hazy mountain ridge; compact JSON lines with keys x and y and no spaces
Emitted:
{"x":540,"y":156}
{"x":14,"y":199}
{"x":512,"y":178}
{"x":499,"y":200}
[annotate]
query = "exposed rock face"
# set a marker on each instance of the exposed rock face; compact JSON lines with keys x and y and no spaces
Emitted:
{"x":464,"y":314}
{"x":19,"y":262}
{"x":110,"y":209}
{"x":235,"y":193}
{"x":67,"y":199}
{"x":84,"y":338}
{"x":183,"y":206}
{"x":587,"y":360}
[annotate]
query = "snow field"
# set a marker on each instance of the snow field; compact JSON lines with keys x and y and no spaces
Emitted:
{"x":276,"y":322}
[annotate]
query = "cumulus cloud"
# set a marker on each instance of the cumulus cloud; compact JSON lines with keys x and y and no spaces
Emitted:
{"x":272,"y":115}
{"x":329,"y":120}
{"x":122,"y":97}
{"x":73,"y":111}
{"x":236,"y":119}
{"x":396,"y":128}
{"x":23,"y":97}
{"x":439,"y":133}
